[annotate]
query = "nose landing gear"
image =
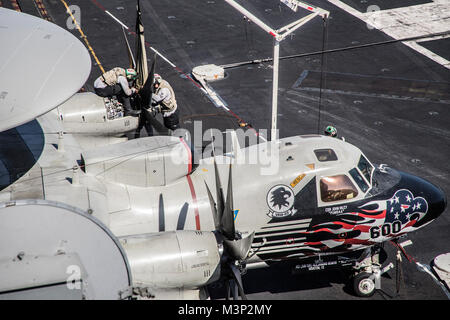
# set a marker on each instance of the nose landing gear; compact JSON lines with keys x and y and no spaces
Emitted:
{"x":368,"y":271}
{"x":364,"y":284}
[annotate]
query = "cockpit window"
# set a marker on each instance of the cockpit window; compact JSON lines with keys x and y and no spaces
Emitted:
{"x":365,"y":167}
{"x":362,"y":184}
{"x":337,"y":188}
{"x":325,"y":155}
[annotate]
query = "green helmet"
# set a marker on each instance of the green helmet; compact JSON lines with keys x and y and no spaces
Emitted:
{"x":157,"y":79}
{"x":131,"y":74}
{"x":331,"y":131}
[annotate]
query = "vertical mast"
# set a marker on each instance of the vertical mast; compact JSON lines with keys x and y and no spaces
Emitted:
{"x":279,"y":35}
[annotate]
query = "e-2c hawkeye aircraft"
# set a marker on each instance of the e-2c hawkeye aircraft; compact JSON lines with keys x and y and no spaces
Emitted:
{"x":86,"y":213}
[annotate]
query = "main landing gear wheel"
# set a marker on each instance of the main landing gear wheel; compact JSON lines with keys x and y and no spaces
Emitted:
{"x":364,"y":284}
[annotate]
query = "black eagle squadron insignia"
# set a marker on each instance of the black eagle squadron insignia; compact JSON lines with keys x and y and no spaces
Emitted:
{"x":280,"y":200}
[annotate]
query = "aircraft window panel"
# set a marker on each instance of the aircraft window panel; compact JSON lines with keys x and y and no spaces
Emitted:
{"x":365,"y":167}
{"x":362,"y":184}
{"x":325,"y":155}
{"x":337,"y":188}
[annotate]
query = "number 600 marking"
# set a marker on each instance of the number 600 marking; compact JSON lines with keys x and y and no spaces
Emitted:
{"x":386,"y":229}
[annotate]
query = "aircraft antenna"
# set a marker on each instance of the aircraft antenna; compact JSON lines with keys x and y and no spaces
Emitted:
{"x":279,"y":35}
{"x":323,"y":62}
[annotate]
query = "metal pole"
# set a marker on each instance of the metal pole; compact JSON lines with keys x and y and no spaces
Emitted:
{"x":252,"y":17}
{"x":276,"y":62}
{"x":278,"y":37}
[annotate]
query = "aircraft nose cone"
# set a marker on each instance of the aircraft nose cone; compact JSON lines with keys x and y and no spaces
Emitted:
{"x":437,"y":202}
{"x":435,"y":197}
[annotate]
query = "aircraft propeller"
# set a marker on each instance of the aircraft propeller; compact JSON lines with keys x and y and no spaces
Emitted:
{"x":236,"y":248}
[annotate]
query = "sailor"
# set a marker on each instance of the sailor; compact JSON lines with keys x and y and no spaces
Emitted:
{"x":331,"y":131}
{"x":163,"y":100}
{"x":115,"y":83}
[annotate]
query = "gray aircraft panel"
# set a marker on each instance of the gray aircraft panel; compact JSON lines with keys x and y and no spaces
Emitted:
{"x":42,"y":65}
{"x":34,"y":260}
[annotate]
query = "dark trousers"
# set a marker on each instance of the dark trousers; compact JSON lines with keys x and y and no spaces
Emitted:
{"x":115,"y":90}
{"x":172,"y":122}
{"x":144,"y":122}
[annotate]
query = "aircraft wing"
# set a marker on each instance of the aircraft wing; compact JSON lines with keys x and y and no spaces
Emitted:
{"x":41,"y":66}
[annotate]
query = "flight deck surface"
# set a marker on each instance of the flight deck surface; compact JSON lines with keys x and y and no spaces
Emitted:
{"x":390,"y":100}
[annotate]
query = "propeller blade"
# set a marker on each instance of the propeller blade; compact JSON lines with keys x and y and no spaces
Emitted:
{"x":227,"y":289}
{"x":151,"y":75}
{"x":238,"y":249}
{"x":219,"y":194}
{"x":141,"y":53}
{"x":234,"y":289}
{"x":238,"y":281}
{"x":227,"y":220}
{"x":145,"y":93}
{"x":132,"y":62}
{"x":213,"y":208}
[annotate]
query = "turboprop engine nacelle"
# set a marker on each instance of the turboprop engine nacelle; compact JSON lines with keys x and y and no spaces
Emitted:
{"x":176,"y":259}
{"x":144,"y":162}
{"x":87,"y":113}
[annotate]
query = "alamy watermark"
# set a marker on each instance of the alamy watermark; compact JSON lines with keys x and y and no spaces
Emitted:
{"x":240,"y":147}
{"x":73,"y":281}
{"x":372,"y":8}
{"x":75,"y":12}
